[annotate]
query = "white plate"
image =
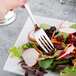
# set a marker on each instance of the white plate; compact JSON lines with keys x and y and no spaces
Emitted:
{"x":11,"y":64}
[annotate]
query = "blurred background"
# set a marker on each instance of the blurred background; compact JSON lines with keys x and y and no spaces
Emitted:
{"x":46,"y":8}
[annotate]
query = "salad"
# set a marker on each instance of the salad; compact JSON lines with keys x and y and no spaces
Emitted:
{"x":62,"y":59}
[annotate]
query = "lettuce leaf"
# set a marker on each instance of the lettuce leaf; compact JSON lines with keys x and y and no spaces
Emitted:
{"x":16,"y":52}
{"x":55,"y":63}
{"x":57,"y":52}
{"x":45,"y":63}
{"x":68,"y":71}
{"x":28,"y":45}
{"x":73,"y":26}
{"x":62,"y":33}
{"x":45,"y":26}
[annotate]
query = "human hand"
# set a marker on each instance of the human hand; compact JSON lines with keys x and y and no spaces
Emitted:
{"x":7,"y":5}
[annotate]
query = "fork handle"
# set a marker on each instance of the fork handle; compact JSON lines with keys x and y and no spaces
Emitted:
{"x":30,"y":13}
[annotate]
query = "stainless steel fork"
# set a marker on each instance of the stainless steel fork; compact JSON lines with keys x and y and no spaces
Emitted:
{"x":40,"y":35}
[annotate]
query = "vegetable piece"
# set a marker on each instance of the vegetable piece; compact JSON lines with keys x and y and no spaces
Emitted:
{"x":58,"y":46}
{"x":53,"y":35}
{"x":30,"y":56}
{"x":61,"y":61}
{"x":25,"y":67}
{"x":50,"y":31}
{"x":67,"y":30}
{"x":67,"y":47}
{"x":28,"y":45}
{"x":21,"y":61}
{"x":45,"y":57}
{"x":45,"y":63}
{"x":50,"y":53}
{"x":16,"y":52}
{"x":75,"y":48}
{"x":74,"y":60}
{"x":75,"y":64}
{"x":40,"y":72}
{"x":38,"y":49}
{"x":55,"y":63}
{"x":68,"y":71}
{"x":73,"y":26}
{"x":73,"y":52}
{"x":54,"y":41}
{"x":61,"y":67}
{"x":65,"y":35}
{"x":59,"y":52}
{"x":64,"y":24}
{"x":68,"y":51}
{"x":31,"y":37}
{"x":60,"y":38}
{"x":45,"y":26}
{"x":69,"y":56}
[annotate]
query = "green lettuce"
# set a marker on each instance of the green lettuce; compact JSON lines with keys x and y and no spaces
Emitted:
{"x":68,"y":71}
{"x":57,"y":52}
{"x":45,"y":63}
{"x":55,"y":63}
{"x":28,"y":45}
{"x":62,"y":33}
{"x":16,"y":52}
{"x":73,"y":26}
{"x":45,"y":26}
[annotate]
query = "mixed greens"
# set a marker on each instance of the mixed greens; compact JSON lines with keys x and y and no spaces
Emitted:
{"x":62,"y":41}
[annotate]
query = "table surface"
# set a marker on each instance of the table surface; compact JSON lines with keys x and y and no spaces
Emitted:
{"x":47,"y":8}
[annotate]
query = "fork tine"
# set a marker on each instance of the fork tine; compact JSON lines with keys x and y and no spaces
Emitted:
{"x":44,"y":44}
{"x":51,"y":48}
{"x":46,"y":37}
{"x":43,"y":40}
{"x":41,"y":45}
